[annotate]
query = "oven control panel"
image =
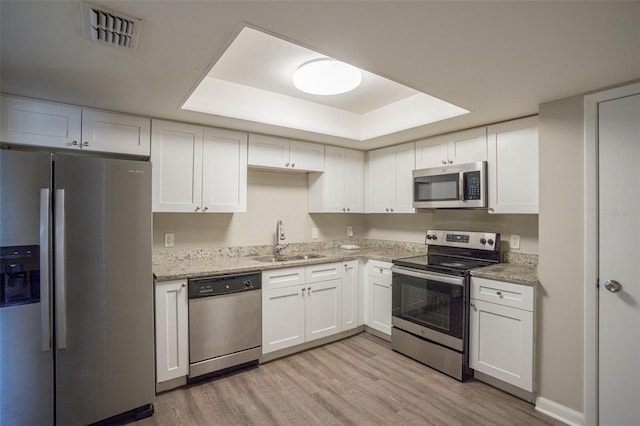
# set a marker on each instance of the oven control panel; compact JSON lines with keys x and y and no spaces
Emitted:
{"x":467,"y":239}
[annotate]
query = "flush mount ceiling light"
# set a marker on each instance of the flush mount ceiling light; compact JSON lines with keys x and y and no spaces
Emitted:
{"x":326,"y":77}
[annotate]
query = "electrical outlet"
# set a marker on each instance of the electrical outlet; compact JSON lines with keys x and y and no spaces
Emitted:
{"x":168,"y":240}
{"x":514,"y":242}
{"x":314,"y":232}
{"x":349,"y":231}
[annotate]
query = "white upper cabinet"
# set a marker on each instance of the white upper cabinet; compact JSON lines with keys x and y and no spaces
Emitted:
{"x":513,"y":166}
{"x":467,"y":146}
{"x":280,"y":153}
{"x":198,"y":169}
{"x":53,"y":125}
{"x":341,"y":187}
{"x":104,"y":131}
{"x":390,"y":182}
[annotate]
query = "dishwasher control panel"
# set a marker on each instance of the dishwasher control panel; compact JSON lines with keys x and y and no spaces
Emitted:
{"x":224,"y":284}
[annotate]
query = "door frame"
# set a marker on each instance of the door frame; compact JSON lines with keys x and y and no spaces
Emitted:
{"x":591,"y":244}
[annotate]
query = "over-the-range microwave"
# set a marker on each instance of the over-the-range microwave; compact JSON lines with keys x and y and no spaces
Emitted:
{"x":451,"y":187}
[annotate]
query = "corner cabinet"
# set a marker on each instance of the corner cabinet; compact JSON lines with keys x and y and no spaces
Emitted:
{"x":59,"y":126}
{"x":280,"y":153}
{"x":172,"y":328}
{"x":340,"y":189}
{"x":198,"y":169}
{"x":501,"y":332}
{"x":390,"y":179}
{"x":378,"y":296}
{"x":513,"y":166}
{"x":467,"y":146}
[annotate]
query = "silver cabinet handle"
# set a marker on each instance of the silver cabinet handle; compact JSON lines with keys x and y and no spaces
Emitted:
{"x":348,"y":209}
{"x":450,"y":161}
{"x":499,"y":293}
{"x":613,"y":286}
{"x":391,"y":210}
{"x":309,"y":290}
{"x":303,"y":289}
{"x":61,"y":302}
{"x":75,"y":143}
{"x":205,"y":209}
{"x":197,"y":209}
{"x":286,"y":165}
{"x":444,"y":161}
{"x":491,"y":210}
{"x":344,"y":210}
{"x":473,"y":305}
{"x":85,"y":143}
{"x":293,"y":165}
{"x":45,"y":322}
{"x":387,"y":209}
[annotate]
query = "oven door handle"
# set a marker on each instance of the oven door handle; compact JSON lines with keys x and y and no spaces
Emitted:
{"x":433,"y":276}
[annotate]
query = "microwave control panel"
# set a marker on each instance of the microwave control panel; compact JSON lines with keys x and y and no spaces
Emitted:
{"x":472,"y":185}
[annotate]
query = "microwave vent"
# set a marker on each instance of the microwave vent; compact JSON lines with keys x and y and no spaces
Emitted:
{"x":109,"y":27}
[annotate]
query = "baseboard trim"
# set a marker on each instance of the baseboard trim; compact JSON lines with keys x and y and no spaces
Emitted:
{"x":377,"y":333}
{"x":559,"y":412}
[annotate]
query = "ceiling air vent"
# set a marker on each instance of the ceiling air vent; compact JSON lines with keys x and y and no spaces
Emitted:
{"x":109,"y":27}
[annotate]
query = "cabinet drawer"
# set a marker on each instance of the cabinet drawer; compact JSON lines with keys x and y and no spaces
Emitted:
{"x":378,"y":269}
{"x":503,"y":293}
{"x":323,"y":272}
{"x":286,"y":277}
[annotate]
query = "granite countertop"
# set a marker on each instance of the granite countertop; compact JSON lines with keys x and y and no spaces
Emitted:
{"x":514,"y":273}
{"x":168,"y":269}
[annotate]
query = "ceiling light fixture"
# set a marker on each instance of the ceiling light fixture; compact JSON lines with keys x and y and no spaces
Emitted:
{"x":326,"y":77}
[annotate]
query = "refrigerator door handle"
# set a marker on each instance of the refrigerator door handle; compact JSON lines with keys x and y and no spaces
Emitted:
{"x":61,"y":303}
{"x":45,"y":321}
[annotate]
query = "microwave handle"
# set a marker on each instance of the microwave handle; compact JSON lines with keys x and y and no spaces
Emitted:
{"x":461,"y":186}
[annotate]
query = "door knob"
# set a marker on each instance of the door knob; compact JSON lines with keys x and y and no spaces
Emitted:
{"x":613,"y":286}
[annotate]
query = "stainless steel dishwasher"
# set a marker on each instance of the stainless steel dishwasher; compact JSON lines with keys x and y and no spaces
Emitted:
{"x":225,"y":322}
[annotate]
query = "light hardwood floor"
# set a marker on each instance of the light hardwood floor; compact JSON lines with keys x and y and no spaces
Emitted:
{"x":356,"y":381}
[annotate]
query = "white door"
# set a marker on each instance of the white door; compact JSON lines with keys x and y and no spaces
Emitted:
{"x":619,"y":252}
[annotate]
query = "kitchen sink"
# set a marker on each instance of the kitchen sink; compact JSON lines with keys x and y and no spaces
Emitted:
{"x":271,"y":259}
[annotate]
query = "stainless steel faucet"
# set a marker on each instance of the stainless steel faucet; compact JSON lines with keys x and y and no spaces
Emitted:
{"x":277,"y":247}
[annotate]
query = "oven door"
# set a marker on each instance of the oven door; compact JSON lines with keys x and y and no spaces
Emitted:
{"x":430,"y":305}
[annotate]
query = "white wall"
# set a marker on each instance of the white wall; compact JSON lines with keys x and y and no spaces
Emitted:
{"x":270,"y":196}
{"x":561,"y":249}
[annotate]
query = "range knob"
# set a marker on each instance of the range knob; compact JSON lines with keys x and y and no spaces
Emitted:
{"x":429,"y":237}
{"x":490,"y":241}
{"x":435,"y":237}
{"x":483,"y":241}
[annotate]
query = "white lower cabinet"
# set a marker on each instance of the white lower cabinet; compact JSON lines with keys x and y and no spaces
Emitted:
{"x":300,"y":305}
{"x":172,"y":328}
{"x":501,"y":336}
{"x":350,"y":295}
{"x":378,"y":296}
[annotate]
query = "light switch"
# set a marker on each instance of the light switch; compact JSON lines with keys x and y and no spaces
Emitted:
{"x":168,"y":240}
{"x":515,"y":241}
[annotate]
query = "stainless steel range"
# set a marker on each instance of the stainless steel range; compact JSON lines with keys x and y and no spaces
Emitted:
{"x":430,"y":299}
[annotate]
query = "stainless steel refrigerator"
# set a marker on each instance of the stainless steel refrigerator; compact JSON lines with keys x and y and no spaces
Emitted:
{"x":76,"y":312}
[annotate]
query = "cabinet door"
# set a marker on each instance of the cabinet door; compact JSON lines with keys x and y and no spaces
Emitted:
{"x":381,"y":181}
{"x":176,"y":154}
{"x":404,"y":165}
{"x":283,"y":317}
{"x":350,"y":295}
{"x":501,"y":343}
{"x":224,"y":171}
{"x":333,"y":190}
{"x":104,"y":131}
{"x":467,"y":146}
{"x":431,"y":152}
{"x":39,"y":123}
{"x":306,"y":156}
{"x":268,"y":151}
{"x":513,"y":166}
{"x":380,"y":304}
{"x":172,"y":327}
{"x":323,"y":309}
{"x":353,"y":183}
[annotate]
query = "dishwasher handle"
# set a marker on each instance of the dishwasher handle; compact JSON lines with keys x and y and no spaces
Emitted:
{"x":220,"y":285}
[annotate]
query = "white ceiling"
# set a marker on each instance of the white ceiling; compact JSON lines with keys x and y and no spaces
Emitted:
{"x":499,"y":60}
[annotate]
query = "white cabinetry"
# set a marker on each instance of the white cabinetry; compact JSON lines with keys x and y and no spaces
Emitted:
{"x":467,"y":146}
{"x":391,"y":179}
{"x":501,"y":337}
{"x":53,"y":125}
{"x":280,"y":153}
{"x":350,"y":295}
{"x":378,"y":296}
{"x":300,"y":305}
{"x":198,"y":169}
{"x":513,"y":166}
{"x":341,"y":187}
{"x":172,"y":328}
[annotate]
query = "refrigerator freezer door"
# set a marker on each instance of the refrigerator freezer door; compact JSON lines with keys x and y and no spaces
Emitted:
{"x":106,"y":366}
{"x":26,"y":360}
